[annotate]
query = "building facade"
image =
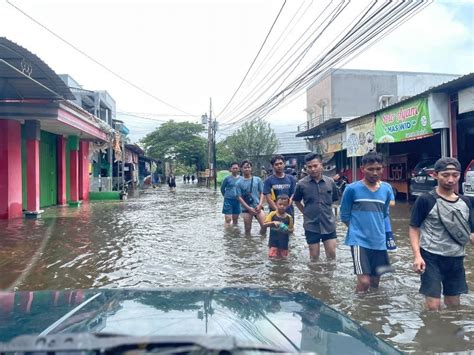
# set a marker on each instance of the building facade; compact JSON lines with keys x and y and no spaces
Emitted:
{"x":44,"y":136}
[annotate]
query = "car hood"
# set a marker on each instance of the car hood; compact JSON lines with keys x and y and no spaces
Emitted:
{"x":291,"y":321}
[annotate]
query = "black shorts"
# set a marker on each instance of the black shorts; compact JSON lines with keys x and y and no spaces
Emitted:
{"x":446,"y":271}
{"x":370,"y":261}
{"x":279,"y":241}
{"x":316,"y":238}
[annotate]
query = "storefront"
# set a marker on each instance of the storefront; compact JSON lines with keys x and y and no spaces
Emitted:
{"x":411,"y":132}
{"x":332,"y":149}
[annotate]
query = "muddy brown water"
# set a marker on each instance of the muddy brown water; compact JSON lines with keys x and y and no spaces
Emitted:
{"x":177,"y":239}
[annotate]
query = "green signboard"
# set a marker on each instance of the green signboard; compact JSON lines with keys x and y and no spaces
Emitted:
{"x":405,"y":122}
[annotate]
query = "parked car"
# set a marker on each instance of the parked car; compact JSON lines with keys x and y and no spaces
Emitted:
{"x":422,"y":179}
{"x":468,"y":184}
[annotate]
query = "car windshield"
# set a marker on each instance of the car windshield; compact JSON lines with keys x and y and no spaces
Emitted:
{"x":227,"y":169}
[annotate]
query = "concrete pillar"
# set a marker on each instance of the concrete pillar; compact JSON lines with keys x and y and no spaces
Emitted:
{"x":62,"y":141}
{"x":10,"y":170}
{"x":74,"y":170}
{"x":33,"y":135}
{"x":84,"y":170}
{"x":453,"y":139}
{"x":444,"y":142}
{"x":354,"y":169}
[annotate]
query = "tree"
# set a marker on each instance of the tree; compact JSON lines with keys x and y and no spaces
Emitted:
{"x":255,"y":140}
{"x":224,"y":155}
{"x":177,"y":141}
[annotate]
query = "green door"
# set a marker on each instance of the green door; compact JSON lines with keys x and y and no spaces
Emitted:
{"x":48,"y":170}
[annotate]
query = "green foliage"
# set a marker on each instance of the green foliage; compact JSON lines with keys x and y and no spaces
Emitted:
{"x":255,"y":140}
{"x":224,"y":155}
{"x":177,"y":141}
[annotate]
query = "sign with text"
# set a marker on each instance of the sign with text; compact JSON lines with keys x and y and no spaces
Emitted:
{"x":405,"y":122}
{"x":360,"y":136}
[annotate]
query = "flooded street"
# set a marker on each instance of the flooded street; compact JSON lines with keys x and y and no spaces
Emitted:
{"x":165,"y":239}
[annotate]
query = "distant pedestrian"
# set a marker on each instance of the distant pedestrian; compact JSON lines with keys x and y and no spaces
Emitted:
{"x":188,"y":178}
{"x":172,"y":182}
{"x":250,"y":192}
{"x":278,"y":184}
{"x":441,"y":224}
{"x":317,"y":192}
{"x":364,"y":206}
{"x":184,"y":179}
{"x":192,"y":178}
{"x":231,"y":208}
{"x":281,"y":226}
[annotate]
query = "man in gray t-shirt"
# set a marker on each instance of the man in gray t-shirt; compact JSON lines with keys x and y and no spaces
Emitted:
{"x":438,"y":257}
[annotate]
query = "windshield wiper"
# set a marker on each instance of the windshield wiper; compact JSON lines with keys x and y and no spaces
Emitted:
{"x":111,"y":343}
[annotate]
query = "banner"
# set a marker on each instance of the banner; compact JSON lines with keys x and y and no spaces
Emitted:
{"x":360,"y":137}
{"x":406,"y":122}
{"x":331,"y":144}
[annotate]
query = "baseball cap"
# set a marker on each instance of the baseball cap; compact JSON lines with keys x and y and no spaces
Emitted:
{"x":447,"y":163}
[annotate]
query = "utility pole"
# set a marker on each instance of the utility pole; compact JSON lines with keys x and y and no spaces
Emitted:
{"x":211,"y":146}
{"x":209,"y":149}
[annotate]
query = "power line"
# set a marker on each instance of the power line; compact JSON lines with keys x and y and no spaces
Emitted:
{"x":399,"y":18}
{"x":253,"y":62}
{"x":335,"y":13}
{"x":284,"y":32}
{"x":322,"y":74}
{"x":156,"y":114}
{"x":269,"y":75}
{"x":96,"y":61}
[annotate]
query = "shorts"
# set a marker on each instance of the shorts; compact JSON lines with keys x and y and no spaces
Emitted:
{"x":231,"y":206}
{"x":447,"y":271}
{"x":279,"y":241}
{"x":370,"y":261}
{"x":316,"y":238}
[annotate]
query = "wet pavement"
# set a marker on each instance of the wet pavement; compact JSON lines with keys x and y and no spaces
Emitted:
{"x":177,"y":239}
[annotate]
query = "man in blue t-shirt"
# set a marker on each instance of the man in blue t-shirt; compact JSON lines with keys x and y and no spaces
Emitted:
{"x":364,"y":206}
{"x":231,"y":207}
{"x":249,"y":190}
{"x":278,"y":184}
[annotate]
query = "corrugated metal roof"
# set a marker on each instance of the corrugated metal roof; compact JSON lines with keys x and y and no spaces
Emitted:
{"x":288,"y":143}
{"x":20,"y":65}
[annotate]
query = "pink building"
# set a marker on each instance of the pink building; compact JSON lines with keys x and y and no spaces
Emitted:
{"x":44,"y":138}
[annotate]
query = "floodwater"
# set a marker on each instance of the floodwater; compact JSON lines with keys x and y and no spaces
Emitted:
{"x":177,"y":239}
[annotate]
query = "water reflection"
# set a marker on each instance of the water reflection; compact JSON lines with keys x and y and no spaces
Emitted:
{"x":286,"y":320}
{"x":164,"y":239}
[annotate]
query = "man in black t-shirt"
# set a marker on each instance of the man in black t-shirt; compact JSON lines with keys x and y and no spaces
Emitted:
{"x":438,"y":257}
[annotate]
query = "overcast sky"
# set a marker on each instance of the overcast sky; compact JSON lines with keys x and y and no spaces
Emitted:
{"x":184,"y":52}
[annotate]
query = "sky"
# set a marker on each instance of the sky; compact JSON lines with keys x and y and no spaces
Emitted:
{"x":186,"y":52}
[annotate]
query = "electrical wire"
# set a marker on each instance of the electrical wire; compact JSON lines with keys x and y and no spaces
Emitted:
{"x":271,"y":75}
{"x":384,"y":27}
{"x":253,"y":62}
{"x":335,"y":12}
{"x":96,"y":61}
{"x":348,"y":59}
{"x":283,"y":36}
